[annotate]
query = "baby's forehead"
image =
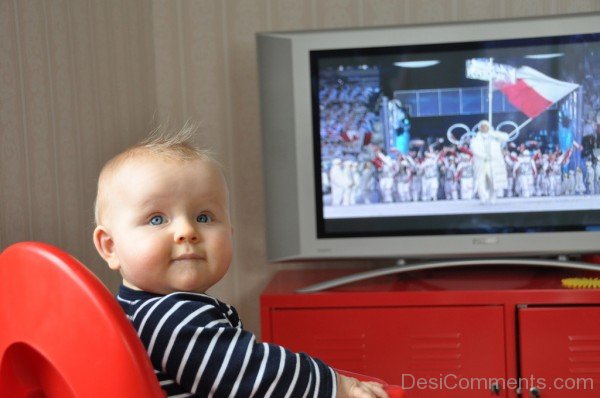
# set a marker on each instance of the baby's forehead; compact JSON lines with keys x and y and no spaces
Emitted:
{"x":147,"y":168}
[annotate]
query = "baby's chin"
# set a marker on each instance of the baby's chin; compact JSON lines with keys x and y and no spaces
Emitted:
{"x":188,"y":280}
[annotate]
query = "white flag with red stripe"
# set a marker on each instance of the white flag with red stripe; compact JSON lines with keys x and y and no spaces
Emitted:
{"x":533,"y":92}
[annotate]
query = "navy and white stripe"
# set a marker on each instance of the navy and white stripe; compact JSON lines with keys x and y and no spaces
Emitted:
{"x":198,"y":348}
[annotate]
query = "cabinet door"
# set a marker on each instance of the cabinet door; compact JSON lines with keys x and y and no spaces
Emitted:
{"x":560,"y":351}
{"x":432,"y":352}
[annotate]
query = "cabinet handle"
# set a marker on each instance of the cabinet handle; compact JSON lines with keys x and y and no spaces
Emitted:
{"x":534,"y":392}
{"x":495,"y":389}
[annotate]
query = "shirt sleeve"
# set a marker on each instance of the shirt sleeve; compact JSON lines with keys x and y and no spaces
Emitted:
{"x":200,"y":343}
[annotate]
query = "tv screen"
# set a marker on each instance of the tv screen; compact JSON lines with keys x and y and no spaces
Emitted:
{"x":475,"y":139}
{"x":393,"y":128}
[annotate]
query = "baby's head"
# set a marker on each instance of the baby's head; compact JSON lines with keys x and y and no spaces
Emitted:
{"x":162,"y":216}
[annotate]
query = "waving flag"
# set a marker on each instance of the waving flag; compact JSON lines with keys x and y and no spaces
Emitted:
{"x":533,"y":92}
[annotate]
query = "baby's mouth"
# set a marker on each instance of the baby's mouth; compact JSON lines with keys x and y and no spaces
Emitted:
{"x":188,"y":256}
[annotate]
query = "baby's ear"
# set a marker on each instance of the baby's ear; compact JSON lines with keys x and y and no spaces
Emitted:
{"x":106,"y":247}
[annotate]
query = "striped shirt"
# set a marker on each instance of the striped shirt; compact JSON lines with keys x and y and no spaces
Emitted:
{"x":198,"y":348}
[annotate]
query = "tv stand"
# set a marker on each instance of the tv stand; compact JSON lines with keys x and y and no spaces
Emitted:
{"x":402,"y":267}
{"x":480,"y":325}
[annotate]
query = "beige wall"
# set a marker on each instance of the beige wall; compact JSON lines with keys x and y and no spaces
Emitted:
{"x":76,"y":85}
{"x":82,"y":79}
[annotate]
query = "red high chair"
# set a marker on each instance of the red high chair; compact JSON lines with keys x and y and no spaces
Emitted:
{"x":62,"y":333}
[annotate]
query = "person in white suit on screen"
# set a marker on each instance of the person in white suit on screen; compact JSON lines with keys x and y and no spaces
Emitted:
{"x":490,"y":169}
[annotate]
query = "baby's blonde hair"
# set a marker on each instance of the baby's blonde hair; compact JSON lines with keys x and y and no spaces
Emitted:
{"x":162,"y":142}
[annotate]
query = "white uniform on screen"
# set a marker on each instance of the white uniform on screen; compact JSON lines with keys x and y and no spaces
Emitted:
{"x":490,"y":170}
{"x":430,"y":181}
{"x":336,"y":179}
{"x":590,"y":177}
{"x":466,"y":176}
{"x":525,"y":172}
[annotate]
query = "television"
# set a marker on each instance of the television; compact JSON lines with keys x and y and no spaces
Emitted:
{"x":367,"y":139}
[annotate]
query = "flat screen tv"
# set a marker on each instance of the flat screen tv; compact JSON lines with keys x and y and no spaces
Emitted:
{"x":369,"y":140}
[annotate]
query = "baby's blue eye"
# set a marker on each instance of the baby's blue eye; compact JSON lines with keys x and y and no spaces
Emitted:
{"x":157,"y":220}
{"x":203,"y":218}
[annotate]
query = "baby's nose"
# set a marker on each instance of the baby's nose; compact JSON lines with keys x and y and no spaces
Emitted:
{"x":186,"y":232}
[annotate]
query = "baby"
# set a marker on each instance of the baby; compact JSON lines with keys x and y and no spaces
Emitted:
{"x":162,"y":216}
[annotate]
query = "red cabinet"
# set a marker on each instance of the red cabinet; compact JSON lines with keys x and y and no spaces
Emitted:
{"x":447,"y":333}
{"x":429,"y":342}
{"x":560,"y":350}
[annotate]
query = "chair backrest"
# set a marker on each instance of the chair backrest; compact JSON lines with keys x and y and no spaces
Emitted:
{"x":62,"y":333}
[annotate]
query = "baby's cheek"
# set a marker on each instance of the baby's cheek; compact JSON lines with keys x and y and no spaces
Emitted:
{"x":219,"y":254}
{"x":149,"y":254}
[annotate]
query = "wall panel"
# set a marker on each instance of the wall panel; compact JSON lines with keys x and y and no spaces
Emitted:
{"x":430,"y":11}
{"x":65,"y":145}
{"x":386,"y":12}
{"x":87,"y":120}
{"x":479,"y":9}
{"x":243,"y":19}
{"x":15,"y":201}
{"x":76,"y":86}
{"x":289,"y":15}
{"x":520,"y":8}
{"x":168,"y":79}
{"x":38,"y":112}
{"x":338,"y":13}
